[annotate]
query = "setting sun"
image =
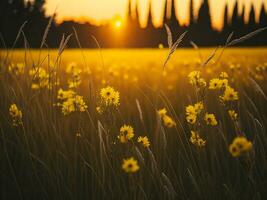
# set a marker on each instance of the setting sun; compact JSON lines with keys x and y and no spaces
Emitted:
{"x":118,"y":23}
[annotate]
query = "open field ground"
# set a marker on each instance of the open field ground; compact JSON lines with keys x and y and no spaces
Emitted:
{"x":113,"y":124}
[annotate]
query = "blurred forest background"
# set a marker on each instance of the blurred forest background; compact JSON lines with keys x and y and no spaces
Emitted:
{"x":14,"y":13}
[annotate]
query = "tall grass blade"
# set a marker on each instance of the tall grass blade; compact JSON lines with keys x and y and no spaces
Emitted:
{"x":173,"y":48}
{"x":169,"y":35}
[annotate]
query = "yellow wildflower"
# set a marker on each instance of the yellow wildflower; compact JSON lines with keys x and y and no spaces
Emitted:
{"x":74,"y":82}
{"x":75,"y":72}
{"x":107,"y":92}
{"x":224,"y":83}
{"x":115,"y":98}
{"x":232,"y":114}
{"x":194,"y":76}
{"x":168,"y":121}
{"x":62,"y":95}
{"x":99,"y":110}
{"x":71,"y":102}
{"x":144,"y":140}
{"x":210,"y":119}
{"x":223,"y":75}
{"x":239,"y":146}
{"x":80,"y":104}
{"x":41,"y":79}
{"x":196,"y":139}
{"x":126,"y":133}
{"x":229,"y":94}
{"x":16,"y":69}
{"x":215,"y":84}
{"x":191,"y":118}
{"x":16,"y":114}
{"x":194,"y":109}
{"x":190,"y":110}
{"x":201,"y":83}
{"x":162,"y":112}
{"x":68,"y":106}
{"x":109,"y":96}
{"x":130,"y":165}
{"x":199,"y":107}
{"x":195,"y":79}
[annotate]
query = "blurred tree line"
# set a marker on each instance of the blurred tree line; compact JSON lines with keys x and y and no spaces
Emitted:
{"x":13,"y":13}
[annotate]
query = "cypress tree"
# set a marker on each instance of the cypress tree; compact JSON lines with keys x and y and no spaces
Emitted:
{"x":204,"y":18}
{"x":234,"y":19}
{"x":251,"y":21}
{"x":225,"y":18}
{"x":263,"y":16}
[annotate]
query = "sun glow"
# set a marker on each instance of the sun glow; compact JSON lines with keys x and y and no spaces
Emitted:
{"x":118,"y":23}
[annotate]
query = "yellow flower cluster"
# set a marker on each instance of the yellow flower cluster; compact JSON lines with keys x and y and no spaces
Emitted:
{"x":71,"y":102}
{"x":197,"y":140}
{"x":192,"y":111}
{"x":229,"y":94}
{"x":144,"y":141}
{"x":239,"y":146}
{"x":16,"y":114}
{"x":16,"y":69}
{"x":196,"y":79}
{"x":217,"y":83}
{"x":167,"y":120}
{"x":41,"y":79}
{"x":75,"y":73}
{"x":109,"y":98}
{"x":126,"y":133}
{"x":63,"y":95}
{"x":210,"y":119}
{"x":130,"y":165}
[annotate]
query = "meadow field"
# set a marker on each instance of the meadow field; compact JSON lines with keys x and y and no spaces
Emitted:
{"x":116,"y":124}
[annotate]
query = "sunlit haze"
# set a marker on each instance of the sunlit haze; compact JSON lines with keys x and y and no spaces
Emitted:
{"x":102,"y":11}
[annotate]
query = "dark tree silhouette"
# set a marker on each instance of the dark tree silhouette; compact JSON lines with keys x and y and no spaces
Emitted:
{"x":13,"y":13}
{"x":204,"y":18}
{"x":251,"y":20}
{"x":36,"y":18}
{"x":235,"y":17}
{"x":225,"y":19}
{"x":263,"y":17}
{"x":242,"y":18}
{"x":204,"y":33}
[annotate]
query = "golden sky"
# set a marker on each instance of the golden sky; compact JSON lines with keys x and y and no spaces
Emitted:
{"x":99,"y":11}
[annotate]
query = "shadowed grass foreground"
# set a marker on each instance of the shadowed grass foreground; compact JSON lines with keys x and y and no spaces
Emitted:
{"x":69,"y":142}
